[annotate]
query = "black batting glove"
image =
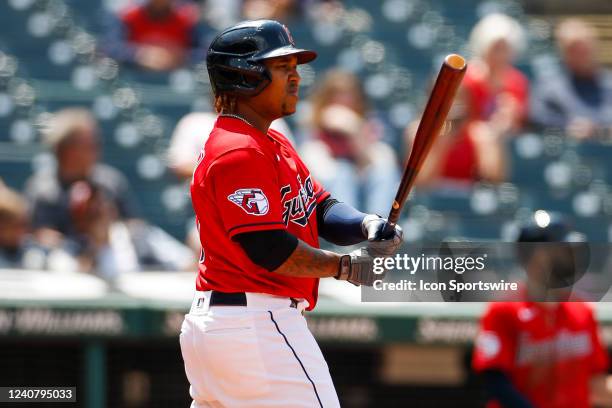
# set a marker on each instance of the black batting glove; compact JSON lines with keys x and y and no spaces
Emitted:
{"x":379,"y":244}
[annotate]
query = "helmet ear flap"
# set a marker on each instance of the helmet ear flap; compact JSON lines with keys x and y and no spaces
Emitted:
{"x":260,"y":83}
{"x":237,"y":75}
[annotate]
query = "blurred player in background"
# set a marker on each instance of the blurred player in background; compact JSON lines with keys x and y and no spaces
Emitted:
{"x":260,"y":213}
{"x":543,"y":354}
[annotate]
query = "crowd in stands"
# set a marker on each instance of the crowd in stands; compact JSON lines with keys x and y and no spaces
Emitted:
{"x":158,"y":35}
{"x":343,"y":147}
{"x":83,"y":216}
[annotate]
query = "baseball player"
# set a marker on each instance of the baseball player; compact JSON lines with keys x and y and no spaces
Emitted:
{"x":260,"y":214}
{"x":542,"y":354}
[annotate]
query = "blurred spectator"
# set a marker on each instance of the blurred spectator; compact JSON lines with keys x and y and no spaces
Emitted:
{"x":221,"y":14}
{"x":285,"y":10}
{"x":107,"y":246}
{"x":344,"y":151}
{"x":577,"y":98}
{"x":497,"y":92}
{"x":17,"y":249}
{"x":280,"y":10}
{"x":190,"y":135}
{"x":188,"y":138}
{"x":13,"y":228}
{"x":465,"y":151}
{"x":72,"y":135}
{"x":159,"y":35}
{"x":325,"y":11}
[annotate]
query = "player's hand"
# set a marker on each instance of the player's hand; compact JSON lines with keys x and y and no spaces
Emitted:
{"x":358,"y":268}
{"x":380,"y":244}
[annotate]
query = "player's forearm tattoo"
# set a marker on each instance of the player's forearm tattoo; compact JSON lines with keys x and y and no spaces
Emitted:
{"x":309,"y":262}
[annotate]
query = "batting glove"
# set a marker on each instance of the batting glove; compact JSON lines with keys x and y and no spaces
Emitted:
{"x":358,"y":268}
{"x":379,"y":245}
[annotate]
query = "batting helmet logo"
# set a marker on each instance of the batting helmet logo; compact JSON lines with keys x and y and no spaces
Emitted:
{"x":252,"y":200}
{"x":291,"y":40}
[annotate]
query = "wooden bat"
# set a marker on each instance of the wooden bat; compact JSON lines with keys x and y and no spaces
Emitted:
{"x":441,"y":98}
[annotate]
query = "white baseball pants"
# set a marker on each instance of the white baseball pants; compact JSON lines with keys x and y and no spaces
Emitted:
{"x":257,"y":356}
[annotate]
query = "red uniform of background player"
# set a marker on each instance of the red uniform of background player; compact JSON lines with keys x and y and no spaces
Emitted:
{"x":547,"y":354}
{"x":549,"y":351}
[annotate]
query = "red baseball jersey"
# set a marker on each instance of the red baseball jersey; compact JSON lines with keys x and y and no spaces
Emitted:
{"x":549,"y":352}
{"x":248,"y":181}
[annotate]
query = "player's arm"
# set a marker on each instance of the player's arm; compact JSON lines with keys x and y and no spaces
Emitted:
{"x":500,"y":388}
{"x":341,"y":224}
{"x":280,"y":252}
{"x":494,"y":354}
{"x":601,"y":390}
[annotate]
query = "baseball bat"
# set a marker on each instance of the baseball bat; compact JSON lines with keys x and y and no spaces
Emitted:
{"x":439,"y":103}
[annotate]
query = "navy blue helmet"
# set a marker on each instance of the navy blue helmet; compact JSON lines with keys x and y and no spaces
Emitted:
{"x":548,"y":227}
{"x":235,"y":57}
{"x":567,"y":250}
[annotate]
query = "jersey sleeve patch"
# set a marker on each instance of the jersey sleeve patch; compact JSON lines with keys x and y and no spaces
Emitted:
{"x":252,"y":200}
{"x":488,"y":344}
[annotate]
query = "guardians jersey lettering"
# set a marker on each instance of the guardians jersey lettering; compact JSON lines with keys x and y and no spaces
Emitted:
{"x":299,"y":208}
{"x":566,"y":344}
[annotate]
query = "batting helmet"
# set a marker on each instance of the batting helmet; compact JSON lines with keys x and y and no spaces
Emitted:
{"x":567,"y":249}
{"x":235,"y":57}
{"x":548,"y":227}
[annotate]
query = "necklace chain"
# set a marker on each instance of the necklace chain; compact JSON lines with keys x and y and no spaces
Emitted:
{"x":232,"y":115}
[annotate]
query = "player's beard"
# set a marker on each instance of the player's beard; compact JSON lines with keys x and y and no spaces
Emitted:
{"x":288,"y":108}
